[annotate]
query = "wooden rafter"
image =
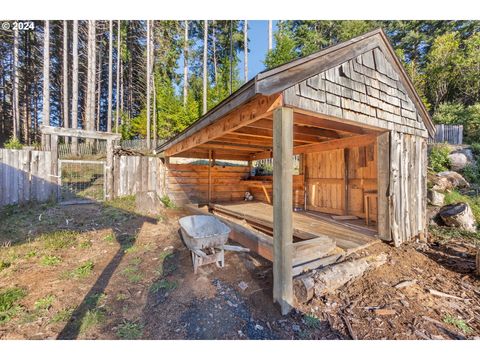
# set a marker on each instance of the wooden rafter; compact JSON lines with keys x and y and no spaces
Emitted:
{"x":244,"y":115}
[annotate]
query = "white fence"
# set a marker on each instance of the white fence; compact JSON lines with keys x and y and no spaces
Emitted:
{"x":26,"y":175}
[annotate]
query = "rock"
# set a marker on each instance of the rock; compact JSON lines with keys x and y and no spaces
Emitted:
{"x":148,"y":202}
{"x":243,"y":285}
{"x":435,"y":198}
{"x":448,"y":180}
{"x":458,"y":215}
{"x":458,"y":161}
{"x":296,"y":328}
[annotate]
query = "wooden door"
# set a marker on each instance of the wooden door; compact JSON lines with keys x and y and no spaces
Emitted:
{"x":324,"y":181}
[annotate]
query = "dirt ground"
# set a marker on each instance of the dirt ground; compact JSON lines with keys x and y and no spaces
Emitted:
{"x":106,"y":272}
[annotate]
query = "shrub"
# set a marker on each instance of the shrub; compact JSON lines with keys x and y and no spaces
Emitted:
{"x":13,"y":143}
{"x":438,"y":157}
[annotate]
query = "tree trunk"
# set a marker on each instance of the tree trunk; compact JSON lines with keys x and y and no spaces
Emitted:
{"x":46,"y":80}
{"x":149,"y":45}
{"x":185,"y":65}
{"x":245,"y":49}
{"x":110,"y":77}
{"x":15,"y":106}
{"x":65,"y":74}
{"x":90,"y":101}
{"x":99,"y":88}
{"x":154,"y":112}
{"x":270,"y":42}
{"x":205,"y":48}
{"x":214,"y":41}
{"x":117,"y":97}
{"x":75,"y":83}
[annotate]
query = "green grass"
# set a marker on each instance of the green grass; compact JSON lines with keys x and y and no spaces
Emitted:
{"x":4,"y":264}
{"x":121,"y":297}
{"x":445,"y":234}
{"x":44,"y":303}
{"x":30,"y":254}
{"x":132,"y":271}
{"x":91,"y":319}
{"x":458,"y":323}
{"x":86,"y":244}
{"x":62,"y":315}
{"x":167,"y":202}
{"x":311,"y":321}
{"x":9,"y":303}
{"x":50,"y":260}
{"x":474,"y":202}
{"x":163,"y":284}
{"x":126,"y":203}
{"x":110,"y":238}
{"x":83,"y":270}
{"x":96,"y":300}
{"x":130,"y":330}
{"x":58,"y":239}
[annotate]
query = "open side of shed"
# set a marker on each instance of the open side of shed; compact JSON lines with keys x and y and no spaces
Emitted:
{"x":352,"y":115}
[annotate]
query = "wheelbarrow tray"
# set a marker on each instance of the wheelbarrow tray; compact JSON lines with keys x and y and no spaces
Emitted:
{"x":203,"y":231}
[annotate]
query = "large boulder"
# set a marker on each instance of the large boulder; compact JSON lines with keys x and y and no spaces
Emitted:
{"x":448,"y":180}
{"x":148,"y":202}
{"x":458,"y":215}
{"x":435,"y":198}
{"x":458,"y":161}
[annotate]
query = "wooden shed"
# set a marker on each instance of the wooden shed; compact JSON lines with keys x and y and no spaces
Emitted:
{"x":352,"y":115}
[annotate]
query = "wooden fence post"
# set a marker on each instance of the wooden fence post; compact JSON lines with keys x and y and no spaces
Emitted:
{"x":109,"y":166}
{"x":282,"y":208}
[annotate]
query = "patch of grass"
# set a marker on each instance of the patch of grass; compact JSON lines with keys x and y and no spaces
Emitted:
{"x":163,"y":284}
{"x":126,"y":203}
{"x":458,"y":323}
{"x":9,"y":303}
{"x":121,"y":297}
{"x":311,"y":321}
{"x":50,"y":260}
{"x":86,"y":244}
{"x":165,"y":267}
{"x":30,"y":254}
{"x":474,"y":202}
{"x":62,"y":315}
{"x":4,"y":264}
{"x":83,"y":270}
{"x":132,"y":272}
{"x":444,"y":234}
{"x":132,"y":249}
{"x":129,"y":330}
{"x":58,"y":239}
{"x":44,"y":303}
{"x":96,"y":300}
{"x":91,"y":319}
{"x":167,"y":202}
{"x":110,"y":238}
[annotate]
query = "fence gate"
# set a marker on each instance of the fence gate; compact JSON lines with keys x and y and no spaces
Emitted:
{"x":82,"y":181}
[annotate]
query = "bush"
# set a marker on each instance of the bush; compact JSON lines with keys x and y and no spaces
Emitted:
{"x":13,"y":143}
{"x":449,"y":113}
{"x":438,"y":158}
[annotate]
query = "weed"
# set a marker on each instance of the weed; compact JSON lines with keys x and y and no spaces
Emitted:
{"x":62,"y":315}
{"x":8,"y":303}
{"x":91,"y":319}
{"x":163,"y":284}
{"x":110,"y":238}
{"x":83,"y":270}
{"x":130,"y":330}
{"x":132,"y":272}
{"x":131,"y":249}
{"x":121,"y":297}
{"x":44,"y":303}
{"x":58,"y":239}
{"x":86,"y":244}
{"x":458,"y":323}
{"x":167,"y":202}
{"x":4,"y":264}
{"x":95,"y":300}
{"x":30,"y":254}
{"x":50,"y":260}
{"x":311,"y":321}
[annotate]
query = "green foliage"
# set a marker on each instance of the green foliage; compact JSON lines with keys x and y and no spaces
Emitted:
{"x":311,"y":321}
{"x":13,"y":143}
{"x":458,"y":323}
{"x":454,"y":196}
{"x":62,"y":315}
{"x":8,"y":303}
{"x":132,"y":271}
{"x":471,"y":173}
{"x":284,"y":51}
{"x":445,"y":234}
{"x":163,"y":284}
{"x":44,"y":303}
{"x":128,"y":330}
{"x":83,"y":270}
{"x":91,"y":319}
{"x":58,"y":239}
{"x":50,"y":260}
{"x":451,"y":113}
{"x":438,"y":158}
{"x":167,"y":202}
{"x":4,"y":264}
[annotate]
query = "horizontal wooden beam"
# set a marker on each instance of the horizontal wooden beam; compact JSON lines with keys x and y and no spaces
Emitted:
{"x":244,"y":115}
{"x":231,"y":146}
{"x":203,"y":154}
{"x":60,"y":131}
{"x":300,"y":133}
{"x":312,"y":128}
{"x":339,"y":125}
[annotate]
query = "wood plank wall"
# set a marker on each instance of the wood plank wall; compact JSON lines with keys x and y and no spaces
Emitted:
{"x":298,"y":190}
{"x":25,"y":175}
{"x":189,"y":183}
{"x":408,"y":186}
{"x":133,"y":174}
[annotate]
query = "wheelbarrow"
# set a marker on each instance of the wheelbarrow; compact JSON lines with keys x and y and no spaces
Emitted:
{"x":205,"y":236}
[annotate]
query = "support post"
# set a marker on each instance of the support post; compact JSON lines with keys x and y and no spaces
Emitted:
{"x":209,"y":198}
{"x":54,"y":170}
{"x":282,"y":208}
{"x":109,"y":174}
{"x":383,"y":179}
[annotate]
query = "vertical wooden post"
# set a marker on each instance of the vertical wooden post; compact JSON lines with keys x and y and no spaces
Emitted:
{"x":109,"y":172}
{"x":209,"y":198}
{"x":54,"y":180}
{"x":282,"y":208}
{"x":345,"y":181}
{"x":383,"y":181}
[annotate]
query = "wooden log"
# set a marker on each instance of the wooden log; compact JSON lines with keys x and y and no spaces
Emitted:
{"x":334,"y":277}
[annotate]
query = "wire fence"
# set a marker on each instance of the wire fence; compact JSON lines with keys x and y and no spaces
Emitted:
{"x":265,"y":166}
{"x":82,"y":180}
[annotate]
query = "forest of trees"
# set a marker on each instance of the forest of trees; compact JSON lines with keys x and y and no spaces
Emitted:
{"x":154,"y":78}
